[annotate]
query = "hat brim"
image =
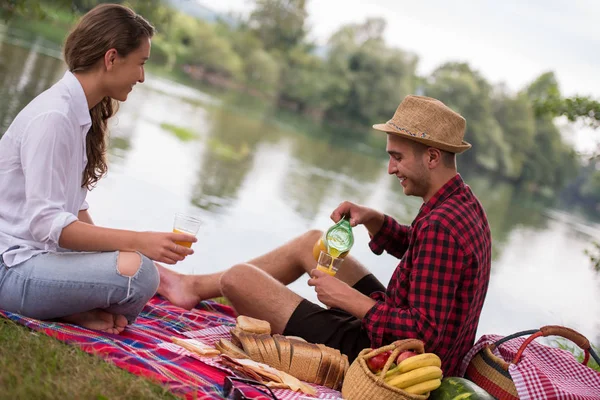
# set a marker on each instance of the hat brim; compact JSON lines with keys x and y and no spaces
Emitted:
{"x":429,"y":142}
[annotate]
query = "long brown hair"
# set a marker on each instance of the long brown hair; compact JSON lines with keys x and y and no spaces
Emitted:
{"x":105,"y":27}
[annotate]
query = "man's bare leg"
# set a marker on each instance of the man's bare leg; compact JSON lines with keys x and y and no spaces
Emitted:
{"x":286,"y":264}
{"x":255,"y":293}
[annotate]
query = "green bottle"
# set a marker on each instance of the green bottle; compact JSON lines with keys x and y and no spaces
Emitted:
{"x":339,"y":238}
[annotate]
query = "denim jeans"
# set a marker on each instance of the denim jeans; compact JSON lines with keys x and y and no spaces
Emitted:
{"x":54,"y":285}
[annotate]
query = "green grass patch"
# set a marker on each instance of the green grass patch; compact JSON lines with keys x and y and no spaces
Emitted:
{"x":36,"y":366}
{"x":227,"y":152}
{"x":578,"y":353}
{"x":184,"y":134}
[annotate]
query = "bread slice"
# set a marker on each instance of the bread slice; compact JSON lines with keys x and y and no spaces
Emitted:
{"x":324,"y":365}
{"x":233,"y":351}
{"x":196,"y":346}
{"x":273,"y":352}
{"x":254,"y":345}
{"x":235,"y":336}
{"x":315,"y":362}
{"x":285,"y":352}
{"x":332,"y":373}
{"x":249,"y":345}
{"x":253,"y":325}
{"x":340,"y":376}
{"x":302,"y":357}
{"x":262,"y":347}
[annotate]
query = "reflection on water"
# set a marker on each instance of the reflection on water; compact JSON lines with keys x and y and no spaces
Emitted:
{"x":258,"y":181}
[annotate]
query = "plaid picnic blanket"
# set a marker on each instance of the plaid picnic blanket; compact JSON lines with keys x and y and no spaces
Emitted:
{"x":543,"y":373}
{"x":145,"y":348}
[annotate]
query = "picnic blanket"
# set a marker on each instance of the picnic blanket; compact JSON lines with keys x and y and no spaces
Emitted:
{"x":145,"y":348}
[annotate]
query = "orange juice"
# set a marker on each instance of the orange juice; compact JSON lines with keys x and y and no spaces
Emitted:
{"x":184,"y":244}
{"x":326,"y":270}
{"x":320,"y":246}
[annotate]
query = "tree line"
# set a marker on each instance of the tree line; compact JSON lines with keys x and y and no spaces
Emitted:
{"x":357,"y":79}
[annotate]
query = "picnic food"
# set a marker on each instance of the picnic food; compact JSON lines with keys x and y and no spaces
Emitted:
{"x":268,"y":375}
{"x":419,"y":374}
{"x":226,"y":347}
{"x":253,"y":325}
{"x":314,"y":363}
{"x":416,"y":375}
{"x":196,"y":346}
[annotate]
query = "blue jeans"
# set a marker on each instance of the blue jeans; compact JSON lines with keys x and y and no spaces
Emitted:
{"x":54,"y":285}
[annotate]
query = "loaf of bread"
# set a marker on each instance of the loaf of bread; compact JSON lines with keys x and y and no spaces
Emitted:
{"x":313,"y":363}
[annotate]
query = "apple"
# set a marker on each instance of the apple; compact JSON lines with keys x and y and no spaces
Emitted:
{"x":377,"y":362}
{"x":404,"y":355}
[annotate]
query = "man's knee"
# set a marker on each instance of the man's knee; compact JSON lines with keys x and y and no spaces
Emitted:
{"x":312,"y":235}
{"x":235,"y":277}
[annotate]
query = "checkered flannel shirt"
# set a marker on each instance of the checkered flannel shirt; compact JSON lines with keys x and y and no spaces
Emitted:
{"x":437,"y":290}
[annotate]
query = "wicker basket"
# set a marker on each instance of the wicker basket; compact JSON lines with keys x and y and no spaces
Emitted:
{"x":361,"y":384}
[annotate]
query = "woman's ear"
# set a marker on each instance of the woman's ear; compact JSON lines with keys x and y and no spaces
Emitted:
{"x":109,"y":59}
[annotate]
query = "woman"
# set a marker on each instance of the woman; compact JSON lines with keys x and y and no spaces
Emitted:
{"x":55,"y":263}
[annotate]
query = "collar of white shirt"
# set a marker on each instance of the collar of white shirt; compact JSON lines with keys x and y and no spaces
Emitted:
{"x":80,"y":104}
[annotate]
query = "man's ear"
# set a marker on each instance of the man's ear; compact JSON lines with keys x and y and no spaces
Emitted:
{"x":434,"y":157}
{"x":109,"y":59}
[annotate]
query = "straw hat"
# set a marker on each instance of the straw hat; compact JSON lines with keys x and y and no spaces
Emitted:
{"x":428,"y":121}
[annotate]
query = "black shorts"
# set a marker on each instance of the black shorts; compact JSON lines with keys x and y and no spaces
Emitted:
{"x":333,"y":327}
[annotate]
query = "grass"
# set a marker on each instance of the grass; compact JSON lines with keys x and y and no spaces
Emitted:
{"x":36,"y":366}
{"x":577,"y":352}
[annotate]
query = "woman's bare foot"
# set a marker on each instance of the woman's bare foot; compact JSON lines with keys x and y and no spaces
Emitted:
{"x":186,"y":291}
{"x":98,"y":320}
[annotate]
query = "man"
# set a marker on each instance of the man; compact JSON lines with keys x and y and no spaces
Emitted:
{"x":437,"y":290}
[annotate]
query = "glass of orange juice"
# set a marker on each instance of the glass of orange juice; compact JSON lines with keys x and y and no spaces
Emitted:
{"x":328,"y":264}
{"x":186,"y":224}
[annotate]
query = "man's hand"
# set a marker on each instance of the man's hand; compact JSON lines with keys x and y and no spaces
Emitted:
{"x":334,"y":293}
{"x":359,"y":215}
{"x":161,"y":246}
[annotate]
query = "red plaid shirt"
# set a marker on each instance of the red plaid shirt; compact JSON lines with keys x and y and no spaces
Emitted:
{"x":437,"y":291}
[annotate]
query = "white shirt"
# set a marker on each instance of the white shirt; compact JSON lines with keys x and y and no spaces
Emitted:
{"x":42,"y":158}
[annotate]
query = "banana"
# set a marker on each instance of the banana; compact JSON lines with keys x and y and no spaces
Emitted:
{"x":424,"y":387}
{"x":415,"y":376}
{"x":419,"y":361}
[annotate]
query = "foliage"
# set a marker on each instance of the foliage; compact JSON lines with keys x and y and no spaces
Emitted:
{"x":184,"y":134}
{"x":577,"y":352}
{"x":594,"y":255}
{"x":279,"y":24}
{"x":357,"y":80}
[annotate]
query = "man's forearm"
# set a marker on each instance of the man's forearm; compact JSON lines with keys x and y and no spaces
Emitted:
{"x":358,"y":304}
{"x":375,"y":223}
{"x":81,"y":236}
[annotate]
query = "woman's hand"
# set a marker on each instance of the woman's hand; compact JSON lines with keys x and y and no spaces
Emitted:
{"x":359,"y":215}
{"x":162,"y":246}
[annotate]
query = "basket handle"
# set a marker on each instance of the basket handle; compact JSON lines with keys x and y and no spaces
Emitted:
{"x":552,"y":330}
{"x":396,"y":347}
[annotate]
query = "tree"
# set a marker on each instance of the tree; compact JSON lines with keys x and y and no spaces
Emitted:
{"x":368,"y":79}
{"x":279,"y":23}
{"x":467,"y":92}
